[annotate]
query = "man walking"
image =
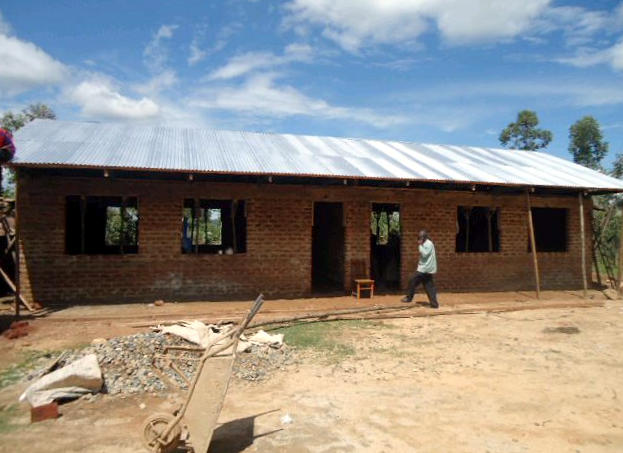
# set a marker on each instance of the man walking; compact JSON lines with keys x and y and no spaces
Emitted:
{"x":426,"y":269}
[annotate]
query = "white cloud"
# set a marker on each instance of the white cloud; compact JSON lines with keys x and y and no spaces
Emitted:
{"x":616,"y":56}
{"x":196,"y":53}
{"x":354,"y":23}
{"x":98,"y":98}
{"x":245,"y":63}
{"x":583,"y":58}
{"x":260,"y":96}
{"x":479,"y":20}
{"x":155,"y":55}
{"x":161,"y":82}
{"x":23,"y":65}
{"x":618,"y":15}
{"x":538,"y":92}
{"x":5,"y":27}
{"x":578,"y":24}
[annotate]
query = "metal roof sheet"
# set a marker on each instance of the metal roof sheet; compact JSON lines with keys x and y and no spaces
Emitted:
{"x":48,"y":143}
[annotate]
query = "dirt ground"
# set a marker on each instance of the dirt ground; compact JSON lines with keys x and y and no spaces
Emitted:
{"x":524,"y":381}
{"x":56,"y":328}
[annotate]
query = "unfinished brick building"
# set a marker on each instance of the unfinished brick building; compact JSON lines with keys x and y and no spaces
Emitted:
{"x":112,"y":213}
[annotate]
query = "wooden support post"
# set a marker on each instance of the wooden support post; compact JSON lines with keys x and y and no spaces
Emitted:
{"x":583,"y":243}
{"x":17,"y":290}
{"x":18,"y":297}
{"x":596,"y":263}
{"x":533,"y":247}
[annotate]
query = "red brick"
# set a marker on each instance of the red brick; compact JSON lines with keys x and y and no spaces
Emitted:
{"x":44,"y":412}
{"x":279,"y":229}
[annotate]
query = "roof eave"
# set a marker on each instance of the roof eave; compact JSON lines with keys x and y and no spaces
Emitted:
{"x":590,"y":190}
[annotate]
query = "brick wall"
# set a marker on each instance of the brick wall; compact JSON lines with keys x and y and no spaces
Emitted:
{"x":279,"y":227}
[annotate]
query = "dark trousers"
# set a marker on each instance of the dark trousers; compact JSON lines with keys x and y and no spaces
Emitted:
{"x":429,"y":285}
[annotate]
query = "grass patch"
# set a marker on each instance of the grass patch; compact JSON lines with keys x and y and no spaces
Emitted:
{"x":6,"y":417}
{"x":16,"y":372}
{"x":324,"y":337}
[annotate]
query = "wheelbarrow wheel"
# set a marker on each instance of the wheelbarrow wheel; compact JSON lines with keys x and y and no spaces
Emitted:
{"x":153,"y":428}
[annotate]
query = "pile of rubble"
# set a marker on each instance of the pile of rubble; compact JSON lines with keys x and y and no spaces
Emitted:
{"x":136,"y":363}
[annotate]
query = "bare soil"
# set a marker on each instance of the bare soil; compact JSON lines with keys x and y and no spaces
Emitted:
{"x":524,"y":381}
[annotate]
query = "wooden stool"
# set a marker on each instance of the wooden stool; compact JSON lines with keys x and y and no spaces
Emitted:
{"x":365,"y":284}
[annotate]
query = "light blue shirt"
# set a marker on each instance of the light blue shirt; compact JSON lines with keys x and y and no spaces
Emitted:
{"x":428,"y":258}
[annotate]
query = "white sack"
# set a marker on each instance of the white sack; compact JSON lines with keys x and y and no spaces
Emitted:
{"x":77,"y":378}
{"x":261,"y":337}
{"x":196,"y":332}
{"x":243,"y":346}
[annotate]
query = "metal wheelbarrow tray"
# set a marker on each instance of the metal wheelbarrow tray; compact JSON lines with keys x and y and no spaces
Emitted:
{"x":206,"y":392}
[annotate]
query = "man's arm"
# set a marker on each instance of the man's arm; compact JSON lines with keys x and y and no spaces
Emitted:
{"x":426,"y":249}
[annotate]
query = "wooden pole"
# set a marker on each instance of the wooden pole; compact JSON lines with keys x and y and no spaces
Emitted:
{"x":17,"y":290}
{"x":596,"y":264}
{"x":533,"y":247}
{"x":594,"y":247}
{"x":620,"y":273}
{"x":583,"y":243}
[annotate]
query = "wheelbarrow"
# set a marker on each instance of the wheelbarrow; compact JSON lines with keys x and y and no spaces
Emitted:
{"x":199,"y":412}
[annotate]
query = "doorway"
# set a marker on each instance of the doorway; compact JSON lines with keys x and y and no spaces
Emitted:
{"x":385,"y":236}
{"x":328,"y":247}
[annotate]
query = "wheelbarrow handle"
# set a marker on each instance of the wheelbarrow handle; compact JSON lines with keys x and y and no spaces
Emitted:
{"x":211,"y":351}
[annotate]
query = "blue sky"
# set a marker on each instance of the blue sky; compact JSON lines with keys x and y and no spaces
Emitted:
{"x":433,"y":71}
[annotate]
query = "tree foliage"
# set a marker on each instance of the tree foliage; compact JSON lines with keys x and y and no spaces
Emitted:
{"x":586,"y":143}
{"x":39,"y":110}
{"x":524,"y":133}
{"x":617,"y":166}
{"x":14,"y":121}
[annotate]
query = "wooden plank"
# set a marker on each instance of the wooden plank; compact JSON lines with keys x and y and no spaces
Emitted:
{"x":596,"y":263}
{"x":14,"y":289}
{"x":533,"y":246}
{"x":583,"y":243}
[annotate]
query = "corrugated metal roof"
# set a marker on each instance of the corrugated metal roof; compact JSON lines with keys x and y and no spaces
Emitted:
{"x":49,"y":143}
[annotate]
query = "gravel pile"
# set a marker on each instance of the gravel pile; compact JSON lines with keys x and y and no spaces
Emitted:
{"x":127,"y":363}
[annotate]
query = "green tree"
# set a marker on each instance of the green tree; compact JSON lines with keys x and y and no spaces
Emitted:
{"x":39,"y":110}
{"x":11,"y":121}
{"x":587,"y":144}
{"x":14,"y":121}
{"x":617,"y":166}
{"x":524,"y":133}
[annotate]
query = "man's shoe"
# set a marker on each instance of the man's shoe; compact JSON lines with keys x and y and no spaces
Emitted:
{"x":434,"y":306}
{"x":406,"y":300}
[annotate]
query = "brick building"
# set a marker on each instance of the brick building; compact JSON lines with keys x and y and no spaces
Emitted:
{"x":112,"y":213}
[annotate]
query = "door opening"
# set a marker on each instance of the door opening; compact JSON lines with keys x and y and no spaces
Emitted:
{"x":328,"y":247}
{"x":385,"y":232}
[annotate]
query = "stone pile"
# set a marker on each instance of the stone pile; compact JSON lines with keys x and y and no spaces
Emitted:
{"x":127,"y":363}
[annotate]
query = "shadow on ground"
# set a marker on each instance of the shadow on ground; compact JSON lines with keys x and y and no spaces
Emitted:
{"x":237,"y":435}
